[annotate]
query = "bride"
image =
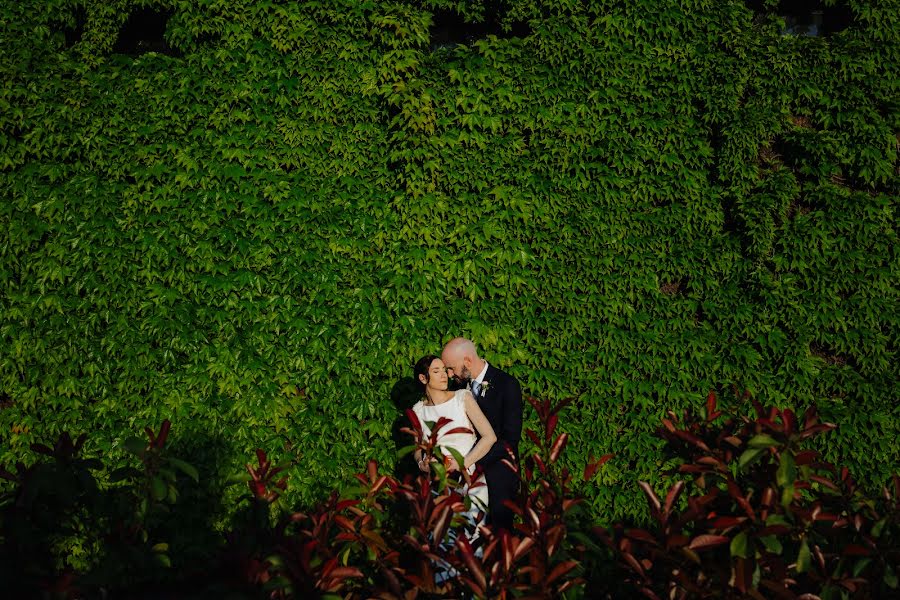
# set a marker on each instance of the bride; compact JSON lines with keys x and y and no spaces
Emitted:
{"x":463,"y":411}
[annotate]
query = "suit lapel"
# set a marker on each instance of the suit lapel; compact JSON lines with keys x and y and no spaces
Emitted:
{"x":487,"y":384}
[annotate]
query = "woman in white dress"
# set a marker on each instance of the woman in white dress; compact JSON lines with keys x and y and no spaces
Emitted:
{"x":462,"y":410}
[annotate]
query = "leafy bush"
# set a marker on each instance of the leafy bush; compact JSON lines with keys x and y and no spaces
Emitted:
{"x":69,"y":524}
{"x":762,"y":516}
{"x":758,"y":516}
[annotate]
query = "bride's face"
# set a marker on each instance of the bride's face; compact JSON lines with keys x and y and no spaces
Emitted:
{"x":437,"y":375}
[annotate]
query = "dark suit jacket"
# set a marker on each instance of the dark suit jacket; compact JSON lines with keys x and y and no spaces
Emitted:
{"x":501,"y":403}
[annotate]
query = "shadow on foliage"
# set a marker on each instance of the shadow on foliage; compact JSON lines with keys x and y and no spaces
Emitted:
{"x":76,"y":526}
{"x":813,"y":18}
{"x":404,"y":394}
{"x":71,"y":26}
{"x":450,"y":27}
{"x":145,"y":31}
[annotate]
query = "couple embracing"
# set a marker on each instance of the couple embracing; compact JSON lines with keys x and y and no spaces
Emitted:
{"x":489,"y":404}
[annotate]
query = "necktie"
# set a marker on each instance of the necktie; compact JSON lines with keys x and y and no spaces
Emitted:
{"x":476,"y":387}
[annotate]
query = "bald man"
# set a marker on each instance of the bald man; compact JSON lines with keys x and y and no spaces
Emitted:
{"x":500,"y":399}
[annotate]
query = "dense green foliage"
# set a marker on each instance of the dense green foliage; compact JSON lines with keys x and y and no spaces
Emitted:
{"x":256,"y":233}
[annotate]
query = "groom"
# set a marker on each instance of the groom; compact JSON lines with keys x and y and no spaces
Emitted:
{"x":500,"y":398}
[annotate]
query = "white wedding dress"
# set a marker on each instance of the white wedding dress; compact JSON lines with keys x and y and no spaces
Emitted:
{"x":455,"y":410}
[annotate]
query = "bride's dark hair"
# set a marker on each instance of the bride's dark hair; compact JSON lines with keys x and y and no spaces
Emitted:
{"x":422,"y":367}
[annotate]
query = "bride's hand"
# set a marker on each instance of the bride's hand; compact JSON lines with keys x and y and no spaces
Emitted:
{"x":424,"y":465}
{"x":452,"y":465}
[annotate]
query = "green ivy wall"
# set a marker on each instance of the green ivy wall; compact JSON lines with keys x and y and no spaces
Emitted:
{"x":257,"y":235}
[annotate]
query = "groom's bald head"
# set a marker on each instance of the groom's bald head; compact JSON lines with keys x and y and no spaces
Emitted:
{"x":461,"y":358}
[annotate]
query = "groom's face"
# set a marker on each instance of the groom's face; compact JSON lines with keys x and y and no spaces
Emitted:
{"x":457,"y":369}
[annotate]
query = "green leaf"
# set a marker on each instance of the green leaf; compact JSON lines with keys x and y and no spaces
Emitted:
{"x":185,"y":468}
{"x":804,"y":557}
{"x":762,"y":441}
{"x":787,"y":470}
{"x":158,"y":489}
{"x":123,"y":473}
{"x":861,"y":565}
{"x":890,"y":577}
{"x":740,"y":545}
{"x":460,"y":460}
{"x":787,"y":497}
{"x":406,"y":450}
{"x":280,"y":583}
{"x":776,"y":520}
{"x":234,"y":478}
{"x":772,"y":544}
{"x":749,"y":456}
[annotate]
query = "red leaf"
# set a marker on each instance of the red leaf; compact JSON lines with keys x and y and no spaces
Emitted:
{"x":805,"y":457}
{"x":816,"y":429}
{"x":856,"y":550}
{"x":706,"y":541}
{"x":558,"y":446}
{"x":376,"y":487}
{"x":523,"y":546}
{"x":634,"y":564}
{"x":641,"y":535}
{"x":414,"y":419}
{"x":652,"y":498}
{"x":551,"y":427}
{"x":735,"y":492}
{"x":560,"y":570}
{"x":468,"y":556}
{"x":561,"y":405}
{"x":743,"y":575}
{"x":345,"y":573}
{"x":824,"y":481}
{"x":734,"y":441}
{"x":790,"y":421}
{"x":440,"y":424}
{"x":163,"y":433}
{"x":691,"y":439}
{"x":672,"y":496}
{"x":768,"y":423}
{"x":810,"y":417}
{"x":726,"y":522}
{"x":509,"y":465}
{"x":261,"y":457}
{"x":711,"y":406}
{"x":533,"y":437}
{"x":774,"y":530}
{"x":344,"y":522}
{"x":457,"y":430}
{"x":591,"y":469}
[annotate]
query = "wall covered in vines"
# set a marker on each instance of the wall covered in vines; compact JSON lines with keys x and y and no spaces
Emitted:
{"x":251,"y":217}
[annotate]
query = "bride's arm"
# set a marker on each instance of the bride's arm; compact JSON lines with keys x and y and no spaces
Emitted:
{"x":484,"y":429}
